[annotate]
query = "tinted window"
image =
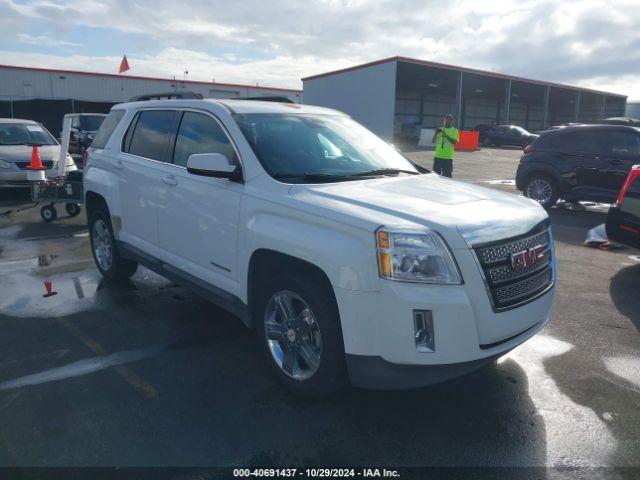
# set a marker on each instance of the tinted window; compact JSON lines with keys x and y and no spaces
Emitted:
{"x":91,"y":123}
{"x":153,"y":129}
{"x":126,"y":141}
{"x":585,"y":141}
{"x":625,"y":143}
{"x":199,"y":133}
{"x":107,"y":128}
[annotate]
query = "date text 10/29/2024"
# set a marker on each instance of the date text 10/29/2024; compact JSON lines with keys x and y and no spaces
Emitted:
{"x":315,"y":473}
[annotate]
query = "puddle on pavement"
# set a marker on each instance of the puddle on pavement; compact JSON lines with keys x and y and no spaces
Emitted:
{"x":22,"y":291}
{"x":565,"y":439}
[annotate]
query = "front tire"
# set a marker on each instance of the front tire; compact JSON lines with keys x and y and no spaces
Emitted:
{"x":298,"y":327}
{"x":105,"y":252}
{"x":543,"y":189}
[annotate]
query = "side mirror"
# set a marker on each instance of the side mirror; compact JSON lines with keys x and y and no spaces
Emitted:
{"x":213,"y":165}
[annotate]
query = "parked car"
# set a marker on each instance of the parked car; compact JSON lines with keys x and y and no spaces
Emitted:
{"x":17,"y":138}
{"x":347,"y":262}
{"x":584,"y":162}
{"x":83,"y":130}
{"x":510,"y":135}
{"x":632,"y":122}
{"x":623,"y":219}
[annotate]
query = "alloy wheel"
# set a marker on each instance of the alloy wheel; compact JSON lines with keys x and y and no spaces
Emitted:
{"x":102,"y":245}
{"x":293,"y":335}
{"x":540,"y":190}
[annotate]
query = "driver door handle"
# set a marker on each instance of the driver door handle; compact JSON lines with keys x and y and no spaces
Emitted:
{"x":170,"y":180}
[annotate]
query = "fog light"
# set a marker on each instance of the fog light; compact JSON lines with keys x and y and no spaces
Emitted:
{"x":423,"y":325}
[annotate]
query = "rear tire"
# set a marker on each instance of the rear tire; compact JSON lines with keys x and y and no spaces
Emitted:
{"x":304,"y":349}
{"x":104,"y":248}
{"x":542,"y":188}
{"x":72,"y":209}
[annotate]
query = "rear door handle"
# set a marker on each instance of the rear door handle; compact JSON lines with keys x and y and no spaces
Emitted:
{"x":170,"y":180}
{"x":118,"y":164}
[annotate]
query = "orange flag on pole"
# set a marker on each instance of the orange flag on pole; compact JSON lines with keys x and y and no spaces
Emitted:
{"x":124,"y":65}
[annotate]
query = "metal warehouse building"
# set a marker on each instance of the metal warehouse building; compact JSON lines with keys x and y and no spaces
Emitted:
{"x":46,"y":95}
{"x":398,"y":96}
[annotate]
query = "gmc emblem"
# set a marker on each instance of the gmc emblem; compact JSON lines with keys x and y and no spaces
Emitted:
{"x":527,"y":258}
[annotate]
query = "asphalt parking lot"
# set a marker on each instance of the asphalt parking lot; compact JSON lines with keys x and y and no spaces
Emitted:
{"x":147,"y":374}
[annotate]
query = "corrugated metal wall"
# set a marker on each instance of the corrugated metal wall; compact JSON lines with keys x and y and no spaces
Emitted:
{"x":16,"y":84}
{"x":367,"y":94}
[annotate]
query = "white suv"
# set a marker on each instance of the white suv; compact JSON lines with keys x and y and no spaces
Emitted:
{"x":347,"y":260}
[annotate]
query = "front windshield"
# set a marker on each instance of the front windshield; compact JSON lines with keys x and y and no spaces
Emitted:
{"x":25,"y":134}
{"x":306,"y":145}
{"x":520,"y":130}
{"x":91,"y":123}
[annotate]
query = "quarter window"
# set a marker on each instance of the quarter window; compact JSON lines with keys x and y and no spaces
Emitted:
{"x":199,"y":133}
{"x":106,"y":129}
{"x":151,"y":134}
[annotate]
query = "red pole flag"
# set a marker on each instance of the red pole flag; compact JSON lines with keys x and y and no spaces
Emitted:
{"x":124,"y":65}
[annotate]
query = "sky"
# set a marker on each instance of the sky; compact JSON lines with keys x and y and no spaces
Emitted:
{"x":590,"y":43}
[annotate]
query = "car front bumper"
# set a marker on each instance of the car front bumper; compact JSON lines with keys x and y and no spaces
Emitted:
{"x":379,"y":330}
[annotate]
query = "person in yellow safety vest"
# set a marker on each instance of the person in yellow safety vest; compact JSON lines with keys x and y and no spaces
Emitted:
{"x":444,"y":139}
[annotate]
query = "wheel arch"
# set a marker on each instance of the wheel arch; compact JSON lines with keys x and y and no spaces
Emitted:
{"x":265,"y":263}
{"x":530,"y":169}
{"x":93,"y":201}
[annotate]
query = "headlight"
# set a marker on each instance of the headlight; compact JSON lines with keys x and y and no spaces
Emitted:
{"x":4,"y":164}
{"x":415,"y":256}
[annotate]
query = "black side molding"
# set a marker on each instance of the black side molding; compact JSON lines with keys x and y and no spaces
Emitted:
{"x":215,"y":295}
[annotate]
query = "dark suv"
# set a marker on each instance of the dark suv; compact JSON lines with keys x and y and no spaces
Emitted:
{"x":511,"y":135}
{"x":586,"y":162}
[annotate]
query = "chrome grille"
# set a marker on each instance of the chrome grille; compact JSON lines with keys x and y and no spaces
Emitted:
{"x":502,"y":252}
{"x":507,"y":286}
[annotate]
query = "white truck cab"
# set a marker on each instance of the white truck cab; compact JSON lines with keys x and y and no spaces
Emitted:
{"x":348,"y":261}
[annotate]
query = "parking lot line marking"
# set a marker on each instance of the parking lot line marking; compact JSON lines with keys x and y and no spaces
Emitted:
{"x":86,"y":366}
{"x":132,"y":378}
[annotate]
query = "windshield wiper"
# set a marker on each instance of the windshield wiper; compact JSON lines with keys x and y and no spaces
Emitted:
{"x":383,"y":171}
{"x":328,"y":177}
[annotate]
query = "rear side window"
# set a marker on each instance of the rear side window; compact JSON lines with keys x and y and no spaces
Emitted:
{"x":106,"y":129}
{"x":625,"y":143}
{"x":591,"y":141}
{"x":151,"y":134}
{"x":199,"y":133}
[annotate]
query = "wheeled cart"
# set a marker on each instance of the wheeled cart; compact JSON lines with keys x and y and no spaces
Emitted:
{"x":67,"y":190}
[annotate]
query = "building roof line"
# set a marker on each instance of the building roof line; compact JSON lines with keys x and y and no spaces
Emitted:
{"x":465,"y":70}
{"x":134,"y":77}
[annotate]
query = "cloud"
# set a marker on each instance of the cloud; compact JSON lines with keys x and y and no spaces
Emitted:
{"x":44,"y":40}
{"x":593,"y":43}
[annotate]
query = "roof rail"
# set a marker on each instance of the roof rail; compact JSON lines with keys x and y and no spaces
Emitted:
{"x":279,"y":99}
{"x":166,"y":96}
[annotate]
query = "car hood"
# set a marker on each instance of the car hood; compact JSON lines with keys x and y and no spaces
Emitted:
{"x":22,"y":153}
{"x":467,"y":215}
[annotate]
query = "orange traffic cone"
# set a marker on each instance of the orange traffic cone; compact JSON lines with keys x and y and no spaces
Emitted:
{"x":48,"y":284}
{"x":36,"y":161}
